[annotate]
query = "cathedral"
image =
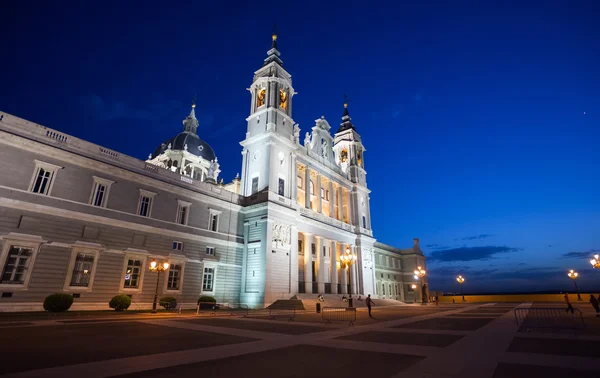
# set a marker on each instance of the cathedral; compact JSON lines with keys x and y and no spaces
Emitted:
{"x":79,"y":218}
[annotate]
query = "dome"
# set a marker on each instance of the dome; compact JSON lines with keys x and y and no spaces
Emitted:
{"x":195,"y":146}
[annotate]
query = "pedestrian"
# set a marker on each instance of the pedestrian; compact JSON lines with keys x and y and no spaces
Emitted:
{"x":437,"y":300}
{"x":369,"y":303}
{"x":594,"y":303}
{"x":568,"y":302}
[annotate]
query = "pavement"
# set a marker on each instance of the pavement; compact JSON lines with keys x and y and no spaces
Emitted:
{"x":449,"y":340}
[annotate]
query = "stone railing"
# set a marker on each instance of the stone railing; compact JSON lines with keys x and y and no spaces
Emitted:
{"x":325,"y":219}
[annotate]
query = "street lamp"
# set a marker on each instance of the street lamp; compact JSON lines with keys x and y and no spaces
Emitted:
{"x":573,"y":275}
{"x":419,"y":274}
{"x":595,"y":261}
{"x":460,"y":280}
{"x":346,"y":261}
{"x":155,"y":267}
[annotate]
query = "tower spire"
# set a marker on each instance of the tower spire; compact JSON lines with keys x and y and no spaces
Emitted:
{"x":346,"y":124}
{"x":273,"y":53}
{"x":190,"y":123}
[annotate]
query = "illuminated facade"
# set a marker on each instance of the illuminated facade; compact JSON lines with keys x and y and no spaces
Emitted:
{"x":83,"y":219}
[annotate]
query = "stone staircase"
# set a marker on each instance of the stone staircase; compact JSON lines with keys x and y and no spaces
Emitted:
{"x":287,"y":304}
{"x":335,"y":300}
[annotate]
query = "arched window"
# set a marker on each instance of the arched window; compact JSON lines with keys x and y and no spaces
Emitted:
{"x":169,"y":163}
{"x":175,"y":163}
{"x":312,"y":188}
{"x":383,"y":289}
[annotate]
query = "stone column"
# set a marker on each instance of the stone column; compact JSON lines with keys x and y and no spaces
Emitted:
{"x":293,"y":180}
{"x":318,"y":189}
{"x":294,"y":260}
{"x":334,"y":272}
{"x":307,"y":263}
{"x":320,"y":264}
{"x":340,"y":204}
{"x":331,"y":200}
{"x":353,"y":279}
{"x":307,"y":188}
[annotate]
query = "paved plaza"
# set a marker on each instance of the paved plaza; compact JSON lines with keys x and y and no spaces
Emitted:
{"x":474,"y":340}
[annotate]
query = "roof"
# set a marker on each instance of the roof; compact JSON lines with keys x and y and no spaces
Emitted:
{"x":195,"y":146}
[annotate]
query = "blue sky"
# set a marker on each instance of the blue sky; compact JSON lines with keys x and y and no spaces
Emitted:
{"x":481,"y":119}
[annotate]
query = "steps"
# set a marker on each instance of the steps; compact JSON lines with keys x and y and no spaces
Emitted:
{"x":335,"y":300}
{"x":287,"y":304}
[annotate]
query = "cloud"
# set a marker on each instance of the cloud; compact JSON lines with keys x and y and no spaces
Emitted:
{"x":580,"y":255}
{"x":436,"y":247}
{"x":470,"y":253}
{"x":476,"y":237}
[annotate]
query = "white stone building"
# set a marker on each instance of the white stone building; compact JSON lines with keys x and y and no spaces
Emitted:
{"x":79,"y":218}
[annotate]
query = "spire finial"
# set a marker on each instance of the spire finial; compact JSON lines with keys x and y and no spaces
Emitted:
{"x":274,"y":36}
{"x":194,"y":102}
{"x":345,"y":101}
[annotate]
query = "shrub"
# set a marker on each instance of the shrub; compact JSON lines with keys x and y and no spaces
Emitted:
{"x":120,"y":302}
{"x":205,"y":303}
{"x":206,"y":298}
{"x":58,"y":302}
{"x":169,"y":303}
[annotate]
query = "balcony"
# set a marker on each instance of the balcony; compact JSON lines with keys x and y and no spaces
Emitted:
{"x":325,"y":219}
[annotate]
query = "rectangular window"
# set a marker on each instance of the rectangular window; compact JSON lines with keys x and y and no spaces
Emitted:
{"x":174,"y":277}
{"x":300,"y":246}
{"x":82,"y":270}
{"x":383,"y":289}
{"x":183,"y":209}
{"x":43,"y":177}
{"x":207,"y":281}
{"x":178,"y":246}
{"x":210,"y":251}
{"x":300,"y":182}
{"x":214,"y":222}
{"x":145,"y":203}
{"x":313,"y":249}
{"x":100,"y":191}
{"x":281,"y":187}
{"x":324,"y":251}
{"x":364,"y":222}
{"x":254,"y":185}
{"x":322,"y":193}
{"x":132,"y":274}
{"x":16,"y":266}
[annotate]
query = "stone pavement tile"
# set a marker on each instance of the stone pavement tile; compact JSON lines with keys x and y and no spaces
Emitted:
{"x":580,"y":348}
{"x":423,"y":339}
{"x":461,"y":324}
{"x":505,"y":370}
{"x":492,"y":310}
{"x":295,"y":361}
{"x":474,"y":315}
{"x":73,"y":344}
{"x":15,"y":324}
{"x":285,"y":327}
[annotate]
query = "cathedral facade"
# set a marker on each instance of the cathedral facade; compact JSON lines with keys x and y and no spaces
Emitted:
{"x":80,"y":218}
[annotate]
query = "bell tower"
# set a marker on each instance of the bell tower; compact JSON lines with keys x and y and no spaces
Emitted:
{"x":267,"y":149}
{"x":349,"y":154}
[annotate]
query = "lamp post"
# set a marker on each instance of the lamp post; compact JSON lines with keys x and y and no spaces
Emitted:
{"x":573,"y":275}
{"x":419,"y":274}
{"x":155,"y":267}
{"x":460,"y":280}
{"x":346,"y":261}
{"x":595,"y":261}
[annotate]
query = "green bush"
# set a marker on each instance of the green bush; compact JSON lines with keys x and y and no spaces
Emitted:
{"x":120,"y":302}
{"x":58,"y":302}
{"x":205,"y":303}
{"x":206,"y":298}
{"x":169,"y":303}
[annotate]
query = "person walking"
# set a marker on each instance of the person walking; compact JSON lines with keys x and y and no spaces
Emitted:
{"x":568,"y":302}
{"x":369,"y":303}
{"x":594,"y":303}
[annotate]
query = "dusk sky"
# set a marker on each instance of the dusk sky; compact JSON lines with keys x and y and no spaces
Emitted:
{"x":481,"y":119}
